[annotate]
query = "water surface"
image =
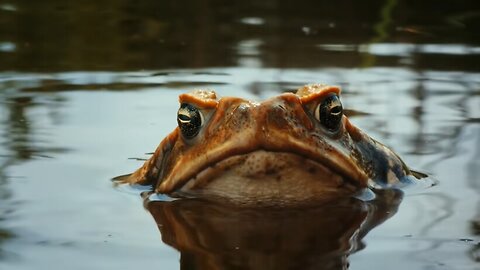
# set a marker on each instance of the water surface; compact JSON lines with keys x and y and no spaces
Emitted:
{"x":87,"y":89}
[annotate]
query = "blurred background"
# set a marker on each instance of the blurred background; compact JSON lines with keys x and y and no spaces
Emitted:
{"x":88,"y":87}
{"x":124,"y":35}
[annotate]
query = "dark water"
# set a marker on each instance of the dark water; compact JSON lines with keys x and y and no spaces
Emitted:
{"x":86,"y":85}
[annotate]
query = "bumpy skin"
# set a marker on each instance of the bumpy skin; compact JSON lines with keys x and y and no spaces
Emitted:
{"x":272,"y":152}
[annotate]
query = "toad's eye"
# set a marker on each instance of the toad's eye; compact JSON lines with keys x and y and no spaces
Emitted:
{"x":189,"y":120}
{"x":329,"y":112}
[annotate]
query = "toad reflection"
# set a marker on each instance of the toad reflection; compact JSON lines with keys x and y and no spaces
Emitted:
{"x":214,"y":236}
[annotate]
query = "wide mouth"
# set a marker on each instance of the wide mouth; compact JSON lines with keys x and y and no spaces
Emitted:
{"x":278,"y":127}
{"x":267,"y":177}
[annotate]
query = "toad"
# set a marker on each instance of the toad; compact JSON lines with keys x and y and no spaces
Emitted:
{"x":289,"y":149}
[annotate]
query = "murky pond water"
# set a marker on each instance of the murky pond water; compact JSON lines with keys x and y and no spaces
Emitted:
{"x":87,"y":89}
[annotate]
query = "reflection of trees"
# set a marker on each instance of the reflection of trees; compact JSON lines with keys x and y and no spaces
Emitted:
{"x":129,"y":35}
{"x":473,"y":169}
{"x":19,"y":126}
{"x":18,"y":144}
{"x":15,"y":148}
{"x":448,"y":140}
{"x":14,"y":124}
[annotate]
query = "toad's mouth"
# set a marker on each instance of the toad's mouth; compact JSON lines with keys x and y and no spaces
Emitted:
{"x":264,"y":175}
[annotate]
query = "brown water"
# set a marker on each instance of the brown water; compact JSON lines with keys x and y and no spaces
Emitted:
{"x":84,"y":86}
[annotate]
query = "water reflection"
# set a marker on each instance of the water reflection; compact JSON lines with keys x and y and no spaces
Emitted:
{"x":61,"y":97}
{"x":432,"y":119}
{"x":22,"y":139}
{"x":131,"y":35}
{"x":473,"y":169}
{"x":14,"y":146}
{"x":213,"y":236}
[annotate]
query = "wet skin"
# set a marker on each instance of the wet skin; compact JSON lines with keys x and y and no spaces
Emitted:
{"x":289,"y":149}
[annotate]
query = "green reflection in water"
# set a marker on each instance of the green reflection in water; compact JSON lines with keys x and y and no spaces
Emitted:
{"x":381,"y":31}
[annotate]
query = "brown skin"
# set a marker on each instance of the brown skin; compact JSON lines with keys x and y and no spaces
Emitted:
{"x":273,"y":152}
{"x":217,"y":236}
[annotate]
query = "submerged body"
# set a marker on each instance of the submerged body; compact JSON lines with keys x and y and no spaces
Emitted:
{"x":289,"y":149}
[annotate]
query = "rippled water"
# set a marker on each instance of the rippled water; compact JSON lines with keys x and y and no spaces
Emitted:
{"x":86,"y":90}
